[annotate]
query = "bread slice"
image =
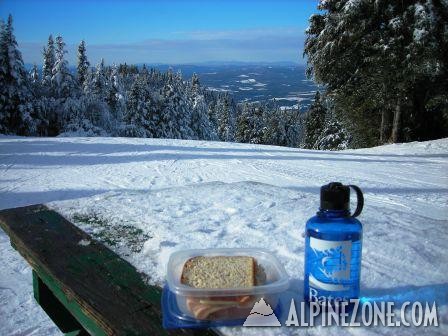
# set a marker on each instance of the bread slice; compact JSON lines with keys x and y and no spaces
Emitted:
{"x":219,"y":272}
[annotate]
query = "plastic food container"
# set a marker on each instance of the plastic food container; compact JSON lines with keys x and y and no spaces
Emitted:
{"x":238,"y":302}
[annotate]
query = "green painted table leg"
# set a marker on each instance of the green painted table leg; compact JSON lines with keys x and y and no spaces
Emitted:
{"x":54,"y":308}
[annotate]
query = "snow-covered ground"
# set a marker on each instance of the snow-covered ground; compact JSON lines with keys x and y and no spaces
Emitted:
{"x":150,"y":197}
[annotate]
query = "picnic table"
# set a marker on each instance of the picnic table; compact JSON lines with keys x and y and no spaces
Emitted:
{"x":83,"y":286}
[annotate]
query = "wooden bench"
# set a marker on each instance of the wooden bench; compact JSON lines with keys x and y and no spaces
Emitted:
{"x":84,"y":287}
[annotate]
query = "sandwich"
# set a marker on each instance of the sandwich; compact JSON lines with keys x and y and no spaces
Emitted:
{"x":220,"y":272}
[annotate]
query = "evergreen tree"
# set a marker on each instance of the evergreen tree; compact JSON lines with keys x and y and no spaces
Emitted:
{"x":114,"y":96}
{"x":83,"y":64}
{"x":62,"y":80}
{"x":140,"y":117}
{"x":294,"y":129}
{"x":225,"y":117}
{"x":175,"y":116}
{"x":250,"y":126}
{"x":195,"y":84}
{"x":99,"y":81}
{"x":49,"y":61}
{"x":333,"y":136}
{"x":314,"y":122}
{"x":210,"y":99}
{"x":34,"y":74}
{"x":35,"y":82}
{"x":15,"y":109}
{"x":200,"y":123}
{"x":243,"y":123}
{"x":274,"y":132}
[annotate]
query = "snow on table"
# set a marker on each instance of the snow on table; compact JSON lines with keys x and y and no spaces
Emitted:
{"x":146,"y":198}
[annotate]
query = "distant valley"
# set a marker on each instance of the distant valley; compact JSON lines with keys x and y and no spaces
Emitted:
{"x":286,"y":83}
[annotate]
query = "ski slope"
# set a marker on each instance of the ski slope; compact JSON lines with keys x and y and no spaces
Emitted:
{"x":150,"y":197}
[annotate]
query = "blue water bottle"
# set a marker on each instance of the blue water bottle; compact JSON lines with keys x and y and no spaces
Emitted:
{"x":333,"y":242}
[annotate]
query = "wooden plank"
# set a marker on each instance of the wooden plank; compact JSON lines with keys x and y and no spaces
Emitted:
{"x":103,"y":292}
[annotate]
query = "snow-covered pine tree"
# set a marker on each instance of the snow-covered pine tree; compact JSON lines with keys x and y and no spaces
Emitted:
{"x":175,"y":116}
{"x":83,"y":64}
{"x":200,"y":123}
{"x":195,"y":83}
{"x":140,"y":118}
{"x":294,"y":128}
{"x":99,"y":80}
{"x":85,"y":115}
{"x":333,"y":136}
{"x":242,"y":133}
{"x":15,"y":108}
{"x":35,"y":83}
{"x":94,"y":108}
{"x":274,"y":132}
{"x":210,"y":98}
{"x":314,"y":122}
{"x":62,"y":80}
{"x":114,"y":95}
{"x":258,"y":124}
{"x":250,"y":124}
{"x":49,"y":60}
{"x":34,"y":74}
{"x":225,"y":116}
{"x":64,"y":91}
{"x":144,"y":72}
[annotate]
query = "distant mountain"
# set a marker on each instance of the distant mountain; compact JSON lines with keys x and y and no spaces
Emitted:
{"x":224,"y":63}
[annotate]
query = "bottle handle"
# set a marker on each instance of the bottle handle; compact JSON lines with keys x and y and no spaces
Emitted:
{"x":360,"y":203}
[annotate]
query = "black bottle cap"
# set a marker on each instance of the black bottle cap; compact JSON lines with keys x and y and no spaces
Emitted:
{"x":335,"y":196}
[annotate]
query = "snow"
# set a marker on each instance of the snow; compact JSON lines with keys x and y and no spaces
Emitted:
{"x":350,"y":5}
{"x":419,"y":34}
{"x":84,"y":242}
{"x":292,"y":99}
{"x":248,"y":81}
{"x":218,"y":89}
{"x":293,"y":107}
{"x":287,"y":98}
{"x":176,"y":194}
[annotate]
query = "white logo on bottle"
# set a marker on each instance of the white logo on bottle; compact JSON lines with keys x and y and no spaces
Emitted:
{"x":334,"y":259}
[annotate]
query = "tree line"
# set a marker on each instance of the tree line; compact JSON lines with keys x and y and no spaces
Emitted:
{"x":126,"y":100}
{"x":384,"y":67}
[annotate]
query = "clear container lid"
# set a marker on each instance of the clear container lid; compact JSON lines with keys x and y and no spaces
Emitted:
{"x":277,"y":279}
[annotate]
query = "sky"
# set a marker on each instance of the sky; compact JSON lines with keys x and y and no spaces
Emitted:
{"x":168,"y":32}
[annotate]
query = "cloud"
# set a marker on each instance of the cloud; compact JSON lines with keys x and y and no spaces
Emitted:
{"x":240,"y":34}
{"x":268,"y":44}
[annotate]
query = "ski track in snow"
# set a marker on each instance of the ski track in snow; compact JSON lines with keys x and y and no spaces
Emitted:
{"x":196,"y":194}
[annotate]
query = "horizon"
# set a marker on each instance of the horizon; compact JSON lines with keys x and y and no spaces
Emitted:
{"x":204,"y":64}
{"x":160,"y":33}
